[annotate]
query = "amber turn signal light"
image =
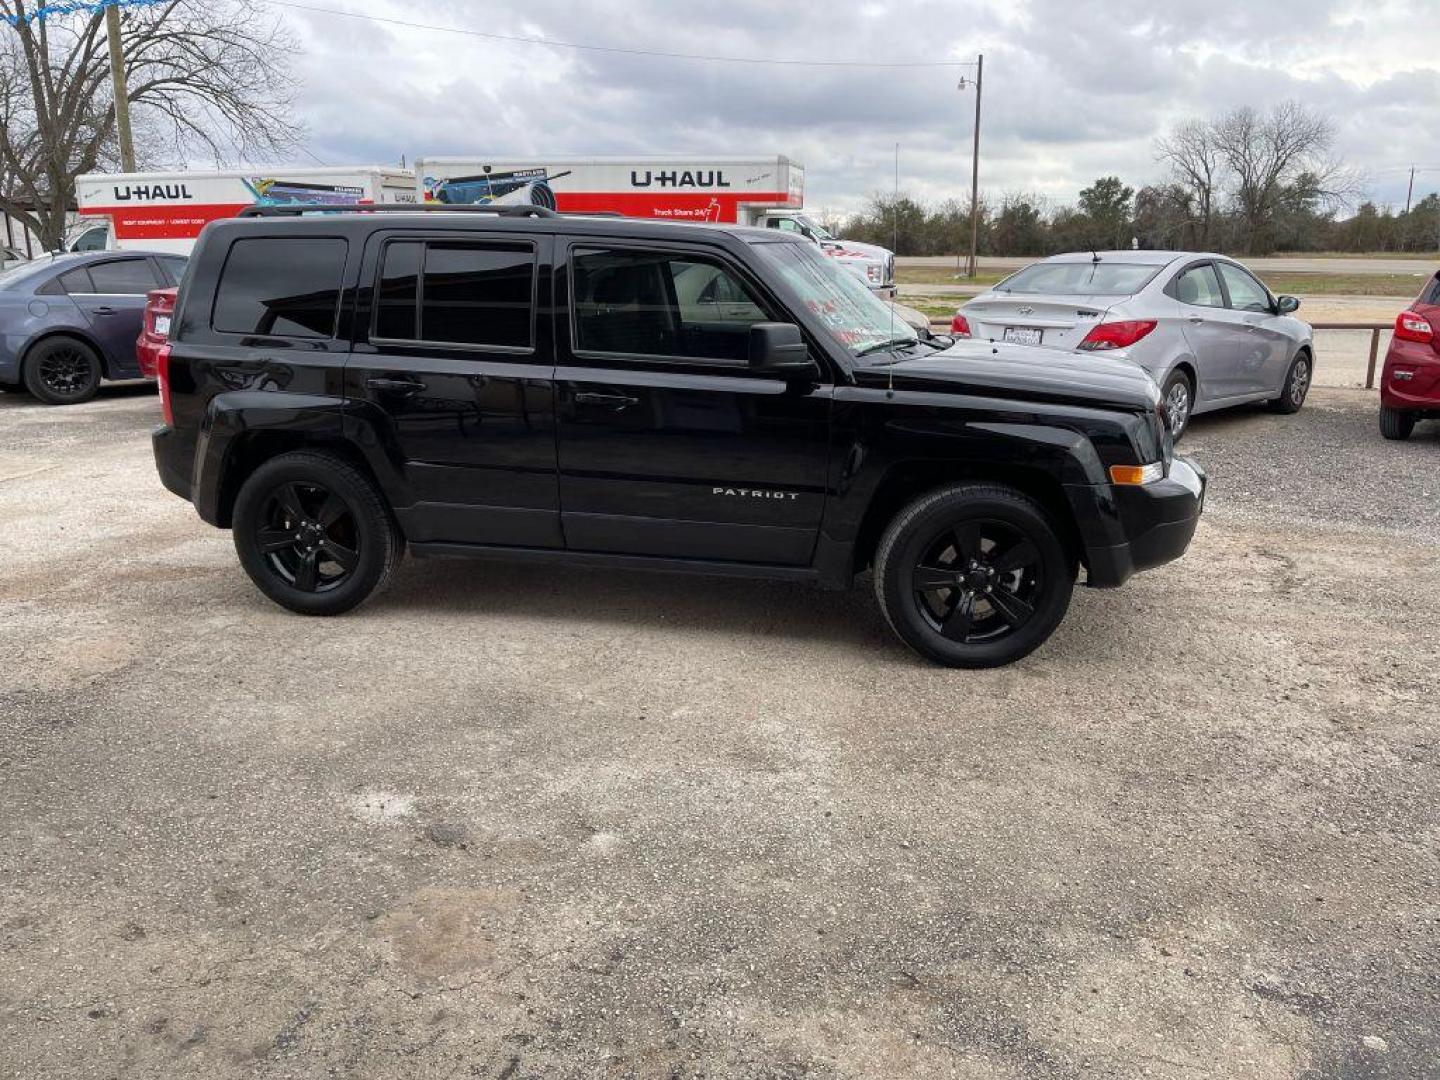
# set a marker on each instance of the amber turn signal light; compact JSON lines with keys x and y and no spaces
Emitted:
{"x":1133,"y":475}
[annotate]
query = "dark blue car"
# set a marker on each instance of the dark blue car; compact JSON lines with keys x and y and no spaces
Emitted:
{"x":67,"y":321}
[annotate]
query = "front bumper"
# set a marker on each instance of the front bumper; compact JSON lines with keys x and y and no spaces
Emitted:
{"x":1158,"y":520}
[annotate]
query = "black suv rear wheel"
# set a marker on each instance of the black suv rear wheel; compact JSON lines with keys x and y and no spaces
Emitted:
{"x":313,"y":533}
{"x":973,"y":575}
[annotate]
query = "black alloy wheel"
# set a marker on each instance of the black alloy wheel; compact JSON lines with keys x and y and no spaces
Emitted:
{"x":62,"y":371}
{"x":978,"y":581}
{"x":314,"y":533}
{"x":308,"y":537}
{"x":974,"y":575}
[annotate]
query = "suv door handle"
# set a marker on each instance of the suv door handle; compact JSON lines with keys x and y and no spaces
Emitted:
{"x":613,"y":401}
{"x":394,"y":386}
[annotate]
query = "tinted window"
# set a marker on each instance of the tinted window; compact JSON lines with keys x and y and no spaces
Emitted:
{"x":397,"y":302}
{"x":1431,"y":295}
{"x":123,"y":276}
{"x":1199,"y":286}
{"x":1079,"y":279}
{"x":478,"y":294}
{"x":655,"y":304}
{"x":284,"y":287}
{"x":1246,"y":294}
{"x":174,"y":266}
{"x":76,"y":281}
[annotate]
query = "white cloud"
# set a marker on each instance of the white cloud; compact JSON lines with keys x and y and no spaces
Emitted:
{"x":1072,"y":90}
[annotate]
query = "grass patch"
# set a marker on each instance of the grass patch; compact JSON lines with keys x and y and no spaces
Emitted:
{"x":1295,"y":283}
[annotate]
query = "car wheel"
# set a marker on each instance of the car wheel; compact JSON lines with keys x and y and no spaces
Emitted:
{"x":314,"y":534}
{"x":1396,"y":423}
{"x":1295,"y":387}
{"x":973,"y":576}
{"x":62,"y":371}
{"x":1178,"y":397}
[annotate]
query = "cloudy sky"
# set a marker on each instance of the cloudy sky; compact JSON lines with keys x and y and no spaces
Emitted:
{"x":1073,"y":90}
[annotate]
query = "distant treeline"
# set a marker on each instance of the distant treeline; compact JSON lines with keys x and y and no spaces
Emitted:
{"x":1246,"y":182}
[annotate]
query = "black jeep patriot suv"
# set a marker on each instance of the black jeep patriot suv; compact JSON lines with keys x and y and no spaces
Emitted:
{"x":613,"y":392}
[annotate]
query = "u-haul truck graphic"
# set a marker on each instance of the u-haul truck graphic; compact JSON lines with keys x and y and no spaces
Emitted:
{"x":166,"y":211}
{"x":767,"y":192}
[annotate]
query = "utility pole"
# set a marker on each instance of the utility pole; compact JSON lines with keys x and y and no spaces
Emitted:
{"x":975,"y":167}
{"x":1405,"y":230}
{"x":117,"y":79}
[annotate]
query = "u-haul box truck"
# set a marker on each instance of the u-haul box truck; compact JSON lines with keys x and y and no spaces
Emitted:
{"x":764,"y":191}
{"x":166,"y":211}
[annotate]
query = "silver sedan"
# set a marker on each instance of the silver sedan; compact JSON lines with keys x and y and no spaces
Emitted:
{"x":1205,"y":328}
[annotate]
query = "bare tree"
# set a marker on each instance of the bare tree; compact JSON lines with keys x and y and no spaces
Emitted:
{"x":1195,"y":161}
{"x":205,"y":76}
{"x":1267,"y":154}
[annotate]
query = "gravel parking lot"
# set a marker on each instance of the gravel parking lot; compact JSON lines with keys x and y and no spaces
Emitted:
{"x":527,"y":822}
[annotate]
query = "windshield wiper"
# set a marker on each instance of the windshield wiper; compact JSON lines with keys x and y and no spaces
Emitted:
{"x":882,"y":345}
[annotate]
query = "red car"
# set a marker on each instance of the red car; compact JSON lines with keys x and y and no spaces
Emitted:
{"x":1410,"y":383}
{"x":155,"y":329}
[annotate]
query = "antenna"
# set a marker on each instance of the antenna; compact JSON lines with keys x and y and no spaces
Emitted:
{"x":894,"y":243}
{"x":1094,"y":256}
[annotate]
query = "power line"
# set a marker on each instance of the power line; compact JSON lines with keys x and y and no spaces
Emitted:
{"x":517,"y":39}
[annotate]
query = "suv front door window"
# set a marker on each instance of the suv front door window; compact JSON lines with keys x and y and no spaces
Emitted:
{"x":669,"y":444}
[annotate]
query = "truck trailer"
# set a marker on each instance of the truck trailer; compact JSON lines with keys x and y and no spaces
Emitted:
{"x":768,"y":192}
{"x":166,"y":211}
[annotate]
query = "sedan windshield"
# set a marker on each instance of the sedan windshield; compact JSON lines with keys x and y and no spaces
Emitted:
{"x":1079,"y":279}
{"x":854,"y":315}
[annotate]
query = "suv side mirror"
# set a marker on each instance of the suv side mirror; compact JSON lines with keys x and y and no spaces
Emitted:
{"x":778,"y":346}
{"x":1284,"y":305}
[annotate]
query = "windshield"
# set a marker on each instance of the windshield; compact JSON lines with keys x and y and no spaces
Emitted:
{"x":854,"y":315}
{"x":1079,"y":279}
{"x":821,"y":233}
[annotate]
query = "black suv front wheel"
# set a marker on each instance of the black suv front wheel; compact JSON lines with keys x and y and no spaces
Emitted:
{"x":973,"y":575}
{"x":313,"y":533}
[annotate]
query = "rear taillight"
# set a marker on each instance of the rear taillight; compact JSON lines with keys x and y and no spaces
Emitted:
{"x":162,"y":377}
{"x":1412,"y":326}
{"x":959,"y":326}
{"x":1116,"y":335}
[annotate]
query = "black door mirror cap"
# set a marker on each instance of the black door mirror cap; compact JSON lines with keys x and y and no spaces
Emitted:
{"x":777,"y":346}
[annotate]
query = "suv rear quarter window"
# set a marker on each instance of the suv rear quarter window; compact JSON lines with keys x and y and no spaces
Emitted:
{"x":280,"y":287}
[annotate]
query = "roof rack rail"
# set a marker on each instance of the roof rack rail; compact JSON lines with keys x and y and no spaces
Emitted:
{"x":517,"y":210}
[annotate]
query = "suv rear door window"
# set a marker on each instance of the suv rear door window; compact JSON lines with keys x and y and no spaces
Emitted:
{"x":123,"y":277}
{"x":643,"y":303}
{"x":281,"y":287}
{"x":478,"y":293}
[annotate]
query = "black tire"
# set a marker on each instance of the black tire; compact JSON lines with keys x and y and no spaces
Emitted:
{"x":314,"y":534}
{"x":984,"y":525}
{"x":1178,"y":398}
{"x":62,"y":371}
{"x":1396,"y":423}
{"x":1296,"y":385}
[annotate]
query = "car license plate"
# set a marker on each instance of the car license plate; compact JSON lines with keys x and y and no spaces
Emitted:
{"x":1022,"y":335}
